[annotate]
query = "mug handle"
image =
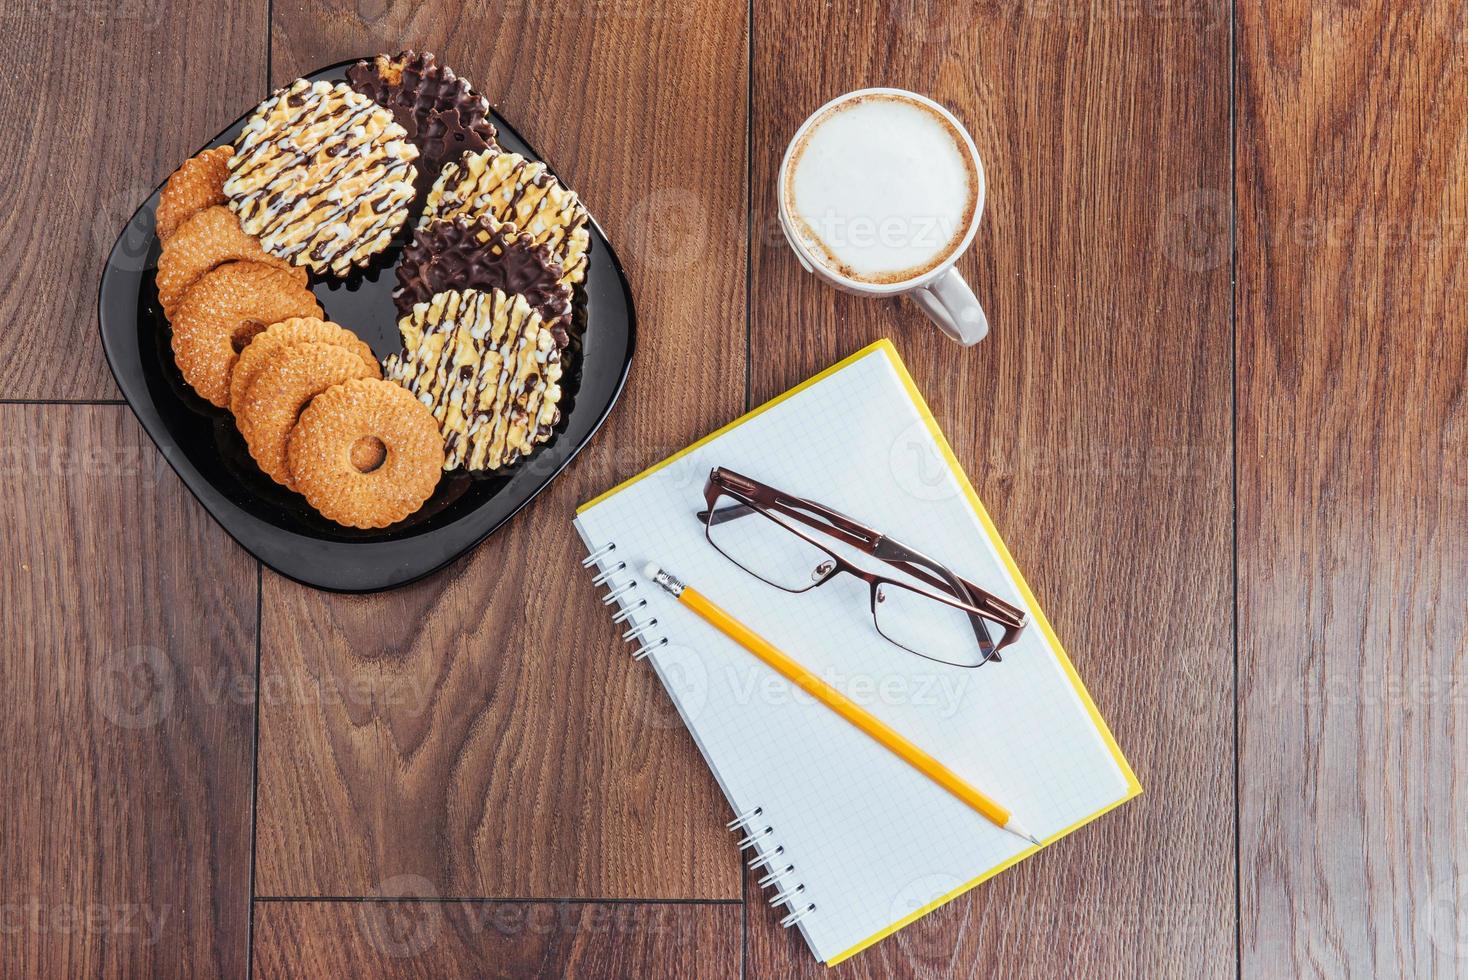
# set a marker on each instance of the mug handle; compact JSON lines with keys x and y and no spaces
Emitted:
{"x":951,"y":304}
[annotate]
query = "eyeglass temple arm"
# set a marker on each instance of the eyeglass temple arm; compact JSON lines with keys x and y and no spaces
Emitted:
{"x":991,"y":604}
{"x":833,"y":523}
{"x":1010,"y":617}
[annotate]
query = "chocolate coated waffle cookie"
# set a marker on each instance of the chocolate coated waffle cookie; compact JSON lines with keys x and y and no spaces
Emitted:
{"x":510,"y":189}
{"x":488,"y":368}
{"x":322,"y":175}
{"x":476,"y":253}
{"x":442,"y":114}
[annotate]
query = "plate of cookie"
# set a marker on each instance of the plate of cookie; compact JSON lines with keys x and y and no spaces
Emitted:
{"x":367,"y":323}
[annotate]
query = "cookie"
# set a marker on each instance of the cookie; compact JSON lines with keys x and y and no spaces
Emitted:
{"x":208,"y":239}
{"x":282,"y":388}
{"x":223,"y":311}
{"x":487,"y":368}
{"x":297,"y":330}
{"x":513,"y":190}
{"x":442,"y":114}
{"x":365,"y":453}
{"x":323,"y":175}
{"x":196,"y":185}
{"x":469,"y":253}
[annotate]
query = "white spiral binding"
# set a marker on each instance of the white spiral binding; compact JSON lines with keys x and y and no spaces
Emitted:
{"x":766,"y":859}
{"x":778,"y":876}
{"x":596,"y":555}
{"x":755,"y":834}
{"x":601,"y":578}
{"x":618,"y":593}
{"x":628,"y":611}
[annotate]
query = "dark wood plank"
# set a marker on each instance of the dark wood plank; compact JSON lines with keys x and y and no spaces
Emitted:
{"x":523,"y":754}
{"x":1095,"y":422}
{"x":1353,"y":488}
{"x":126,"y":716}
{"x":104,"y":101}
{"x":496,"y":939}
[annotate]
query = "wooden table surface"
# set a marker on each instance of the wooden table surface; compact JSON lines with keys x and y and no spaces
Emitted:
{"x":1222,"y":421}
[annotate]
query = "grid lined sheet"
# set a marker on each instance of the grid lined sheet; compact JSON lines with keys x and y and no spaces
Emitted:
{"x":871,"y":840}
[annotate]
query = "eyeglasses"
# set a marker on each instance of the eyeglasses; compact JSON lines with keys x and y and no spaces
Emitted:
{"x":787,"y":541}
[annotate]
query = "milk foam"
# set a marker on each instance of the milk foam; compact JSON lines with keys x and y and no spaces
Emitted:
{"x":882,"y":188}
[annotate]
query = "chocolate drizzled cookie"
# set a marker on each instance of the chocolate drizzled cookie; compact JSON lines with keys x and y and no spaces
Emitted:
{"x":476,"y":254}
{"x":513,"y":190}
{"x":322,"y":175}
{"x":489,"y":371}
{"x":442,"y":114}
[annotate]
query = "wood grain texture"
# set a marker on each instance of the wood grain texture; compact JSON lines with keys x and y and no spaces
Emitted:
{"x":1353,"y":488}
{"x":496,"y":940}
{"x":519,"y":752}
{"x":104,"y":101}
{"x":1095,"y":423}
{"x":126,"y":716}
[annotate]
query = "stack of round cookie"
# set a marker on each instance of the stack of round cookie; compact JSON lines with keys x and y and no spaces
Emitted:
{"x":319,"y":182}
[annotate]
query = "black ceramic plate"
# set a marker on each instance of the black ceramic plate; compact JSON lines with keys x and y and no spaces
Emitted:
{"x":277,"y":526}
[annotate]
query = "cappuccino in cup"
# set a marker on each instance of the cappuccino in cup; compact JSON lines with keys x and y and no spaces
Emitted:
{"x":880,"y":192}
{"x":882,"y":188}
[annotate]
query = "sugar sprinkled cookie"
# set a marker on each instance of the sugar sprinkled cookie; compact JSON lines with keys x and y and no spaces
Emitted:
{"x":196,"y":185}
{"x":282,"y":388}
{"x":322,"y":175}
{"x":222,"y":312}
{"x":365,"y":453}
{"x":474,"y":253}
{"x":510,"y":189}
{"x":442,"y":114}
{"x":296,"y":330}
{"x":488,"y":369}
{"x":207,"y":240}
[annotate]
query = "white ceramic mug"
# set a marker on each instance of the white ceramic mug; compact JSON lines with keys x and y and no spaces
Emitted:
{"x":940,"y":290}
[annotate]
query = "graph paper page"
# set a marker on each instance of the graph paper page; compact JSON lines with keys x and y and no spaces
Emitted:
{"x":870,"y":839}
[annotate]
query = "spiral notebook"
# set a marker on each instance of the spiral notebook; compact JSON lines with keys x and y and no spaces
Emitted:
{"x":852,"y":843}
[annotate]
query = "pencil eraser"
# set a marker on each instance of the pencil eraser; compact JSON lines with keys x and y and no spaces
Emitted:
{"x":651,"y":570}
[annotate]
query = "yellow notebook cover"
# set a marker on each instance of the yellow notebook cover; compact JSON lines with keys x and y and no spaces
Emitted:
{"x":751,"y":740}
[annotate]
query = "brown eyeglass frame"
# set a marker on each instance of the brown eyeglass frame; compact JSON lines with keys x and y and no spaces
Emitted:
{"x":981,"y":606}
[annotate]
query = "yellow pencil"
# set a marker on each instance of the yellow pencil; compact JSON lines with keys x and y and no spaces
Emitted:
{"x":884,"y":734}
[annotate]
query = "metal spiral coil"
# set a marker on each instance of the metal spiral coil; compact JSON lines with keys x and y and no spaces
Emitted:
{"x":755,"y":834}
{"x":779,"y":874}
{"x":618,"y":592}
